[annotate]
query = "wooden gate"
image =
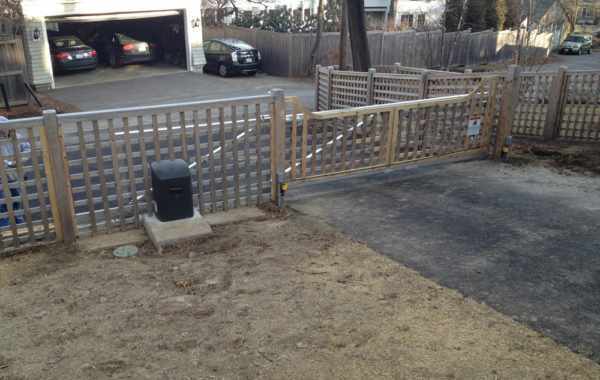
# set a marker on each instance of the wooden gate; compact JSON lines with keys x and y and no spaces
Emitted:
{"x":341,"y":142}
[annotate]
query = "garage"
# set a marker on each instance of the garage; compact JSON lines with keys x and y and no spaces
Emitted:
{"x":173,"y":34}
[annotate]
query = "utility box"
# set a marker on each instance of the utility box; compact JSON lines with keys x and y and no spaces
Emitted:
{"x":172,"y":190}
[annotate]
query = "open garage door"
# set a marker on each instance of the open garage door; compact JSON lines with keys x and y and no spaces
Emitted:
{"x":162,"y":30}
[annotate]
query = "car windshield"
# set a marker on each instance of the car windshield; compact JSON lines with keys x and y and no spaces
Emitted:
{"x":66,"y":42}
{"x":574,"y":39}
{"x":129,"y":38}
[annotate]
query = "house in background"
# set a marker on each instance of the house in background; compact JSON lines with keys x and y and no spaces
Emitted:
{"x":175,"y":25}
{"x":409,"y":14}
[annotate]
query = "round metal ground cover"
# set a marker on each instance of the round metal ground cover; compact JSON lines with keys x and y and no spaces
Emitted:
{"x":125,"y":251}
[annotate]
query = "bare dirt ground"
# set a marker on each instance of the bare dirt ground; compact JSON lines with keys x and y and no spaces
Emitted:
{"x":564,"y":156}
{"x":34,"y":109}
{"x":278,"y":297}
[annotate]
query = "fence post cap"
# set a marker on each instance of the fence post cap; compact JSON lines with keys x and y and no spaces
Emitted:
{"x":48,"y":112}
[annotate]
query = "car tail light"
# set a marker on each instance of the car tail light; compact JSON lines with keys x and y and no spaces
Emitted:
{"x":152,"y":44}
{"x":93,"y":52}
{"x":127,"y":47}
{"x":234,"y":57}
{"x":64,"y":56}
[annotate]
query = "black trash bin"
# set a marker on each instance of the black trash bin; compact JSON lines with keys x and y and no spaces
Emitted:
{"x":172,"y":190}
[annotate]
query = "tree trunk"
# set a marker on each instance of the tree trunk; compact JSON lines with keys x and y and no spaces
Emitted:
{"x":315,"y":48}
{"x":391,"y":22}
{"x":461,"y":20}
{"x":343,"y":33}
{"x":361,"y":59}
{"x":518,"y":25}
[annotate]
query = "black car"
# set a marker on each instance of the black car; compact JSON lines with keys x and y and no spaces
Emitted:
{"x":68,"y":53}
{"x":119,"y":48}
{"x":231,"y":56}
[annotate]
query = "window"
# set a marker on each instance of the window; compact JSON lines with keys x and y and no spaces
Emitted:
{"x":420,"y":20}
{"x":406,"y":21}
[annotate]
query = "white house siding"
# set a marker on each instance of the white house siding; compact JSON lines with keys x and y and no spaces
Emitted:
{"x":431,"y":9}
{"x":37,"y":53}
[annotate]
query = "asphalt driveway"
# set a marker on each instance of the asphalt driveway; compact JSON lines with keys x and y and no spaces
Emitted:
{"x":525,"y":241}
{"x":177,"y":87}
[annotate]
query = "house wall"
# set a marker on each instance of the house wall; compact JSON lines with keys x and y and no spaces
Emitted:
{"x":37,"y":52}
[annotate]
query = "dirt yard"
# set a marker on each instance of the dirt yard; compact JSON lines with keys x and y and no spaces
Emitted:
{"x":283,"y":296}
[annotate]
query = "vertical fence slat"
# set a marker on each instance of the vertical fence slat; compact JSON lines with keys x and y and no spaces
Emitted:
{"x":116,"y":174}
{"x":131,"y":172}
{"x":247,"y":155}
{"x":38,"y":182}
{"x":211,"y":161}
{"x":102,"y":175}
{"x":236,"y":167}
{"x":145,"y":167}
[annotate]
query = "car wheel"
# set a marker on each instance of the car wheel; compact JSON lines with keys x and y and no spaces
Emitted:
{"x":204,"y":70}
{"x":223,"y":70}
{"x":114,"y":61}
{"x":251,"y":73}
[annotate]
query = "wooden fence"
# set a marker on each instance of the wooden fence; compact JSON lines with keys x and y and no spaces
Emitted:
{"x":338,"y":142}
{"x":288,"y":54}
{"x":550,"y":105}
{"x":12,"y":69}
{"x":88,"y":172}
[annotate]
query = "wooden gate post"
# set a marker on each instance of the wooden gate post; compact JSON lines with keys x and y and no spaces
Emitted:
{"x":557,"y":90}
{"x":423,"y":85}
{"x":277,"y":140}
{"x":397,"y":67}
{"x":510,"y":95}
{"x":369,"y":99}
{"x":317,"y":77}
{"x":329,"y":86}
{"x":57,"y":177}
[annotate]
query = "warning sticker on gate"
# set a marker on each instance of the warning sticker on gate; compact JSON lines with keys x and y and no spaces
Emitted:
{"x":474,"y":125}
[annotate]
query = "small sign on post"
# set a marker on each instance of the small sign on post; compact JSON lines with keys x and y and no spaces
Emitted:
{"x":474,"y":125}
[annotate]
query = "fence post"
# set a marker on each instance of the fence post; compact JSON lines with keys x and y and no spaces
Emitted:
{"x":510,"y":96}
{"x":277,"y":140}
{"x":317,"y":77}
{"x":423,"y":85}
{"x":329,"y":85}
{"x":557,"y":90}
{"x":397,"y":65}
{"x":57,"y":177}
{"x":369,"y":99}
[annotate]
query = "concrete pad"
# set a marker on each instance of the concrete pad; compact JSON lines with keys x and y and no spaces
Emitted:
{"x":234,"y":215}
{"x":176,"y":231}
{"x":111,"y":240}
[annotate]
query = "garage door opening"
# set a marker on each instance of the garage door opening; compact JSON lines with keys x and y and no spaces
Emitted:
{"x":163,"y":31}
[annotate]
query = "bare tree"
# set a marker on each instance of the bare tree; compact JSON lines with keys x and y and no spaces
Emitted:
{"x":11,"y":15}
{"x":343,"y":33}
{"x":315,"y":48}
{"x":361,"y":58}
{"x":571,"y":9}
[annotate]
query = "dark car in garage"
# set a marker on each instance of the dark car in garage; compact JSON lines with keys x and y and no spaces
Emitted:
{"x":119,"y":48}
{"x":231,"y":56}
{"x":68,"y":53}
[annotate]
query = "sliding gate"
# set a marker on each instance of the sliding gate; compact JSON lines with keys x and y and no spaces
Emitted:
{"x":333,"y":143}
